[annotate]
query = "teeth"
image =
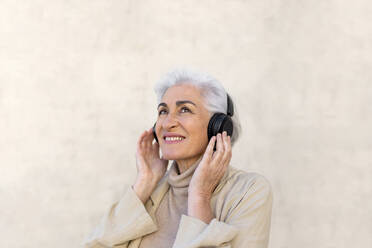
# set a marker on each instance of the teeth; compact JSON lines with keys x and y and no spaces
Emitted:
{"x":173,"y":138}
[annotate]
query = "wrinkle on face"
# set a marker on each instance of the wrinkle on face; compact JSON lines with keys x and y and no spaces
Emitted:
{"x":192,"y":125}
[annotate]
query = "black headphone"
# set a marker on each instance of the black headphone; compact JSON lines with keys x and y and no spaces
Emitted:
{"x":218,"y":123}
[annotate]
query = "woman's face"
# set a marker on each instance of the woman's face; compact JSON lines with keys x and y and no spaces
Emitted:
{"x":182,"y":113}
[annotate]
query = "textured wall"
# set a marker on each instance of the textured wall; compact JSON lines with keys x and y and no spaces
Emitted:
{"x":76,"y":91}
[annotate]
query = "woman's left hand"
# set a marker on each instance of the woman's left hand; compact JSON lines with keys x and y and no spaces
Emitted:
{"x":211,"y":169}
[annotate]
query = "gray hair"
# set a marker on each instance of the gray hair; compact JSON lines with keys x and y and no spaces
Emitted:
{"x":214,"y":94}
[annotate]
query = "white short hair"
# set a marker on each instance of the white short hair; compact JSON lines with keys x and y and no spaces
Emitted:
{"x":214,"y":94}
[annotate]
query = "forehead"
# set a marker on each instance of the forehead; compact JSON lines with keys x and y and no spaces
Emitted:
{"x":182,"y":92}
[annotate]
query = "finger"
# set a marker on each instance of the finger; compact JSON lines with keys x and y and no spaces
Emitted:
{"x":140,"y":140}
{"x":230,"y":146}
{"x":220,"y":149}
{"x":226,"y":146}
{"x":221,"y":145}
{"x":141,"y":137}
{"x":155,"y":148}
{"x":229,"y":153}
{"x":209,"y":151}
{"x":149,"y":138}
{"x":152,"y":136}
{"x":143,"y":140}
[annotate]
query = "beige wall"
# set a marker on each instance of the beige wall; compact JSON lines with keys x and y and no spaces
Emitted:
{"x":76,"y":81}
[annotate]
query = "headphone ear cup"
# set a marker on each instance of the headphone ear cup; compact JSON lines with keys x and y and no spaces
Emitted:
{"x":214,"y":126}
{"x":154,"y":133}
{"x":228,"y":126}
{"x":219,"y":123}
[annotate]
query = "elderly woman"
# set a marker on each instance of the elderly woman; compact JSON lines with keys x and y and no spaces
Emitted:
{"x":201,"y":200}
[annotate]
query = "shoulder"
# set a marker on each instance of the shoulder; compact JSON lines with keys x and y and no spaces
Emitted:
{"x":241,"y":193}
{"x":238,"y":184}
{"x":240,"y":179}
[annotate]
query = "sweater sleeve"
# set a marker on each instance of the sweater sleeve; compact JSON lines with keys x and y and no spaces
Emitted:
{"x":247,"y":225}
{"x":125,"y":220}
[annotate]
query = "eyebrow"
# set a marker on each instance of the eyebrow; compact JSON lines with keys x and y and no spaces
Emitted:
{"x":178,"y":103}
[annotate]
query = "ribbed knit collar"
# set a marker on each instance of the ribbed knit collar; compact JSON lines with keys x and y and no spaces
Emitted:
{"x":181,"y":181}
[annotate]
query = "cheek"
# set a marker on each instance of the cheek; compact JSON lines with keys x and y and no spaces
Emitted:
{"x":196,"y":130}
{"x":200,"y":135}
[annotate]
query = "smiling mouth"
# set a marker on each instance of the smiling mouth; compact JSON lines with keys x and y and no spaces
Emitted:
{"x":173,"y":140}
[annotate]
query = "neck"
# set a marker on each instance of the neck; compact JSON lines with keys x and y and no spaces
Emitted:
{"x":184,"y":164}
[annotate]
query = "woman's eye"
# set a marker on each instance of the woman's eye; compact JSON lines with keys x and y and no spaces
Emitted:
{"x":186,"y":109}
{"x":161,"y":111}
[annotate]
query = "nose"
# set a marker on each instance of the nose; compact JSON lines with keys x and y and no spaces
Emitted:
{"x":169,"y":122}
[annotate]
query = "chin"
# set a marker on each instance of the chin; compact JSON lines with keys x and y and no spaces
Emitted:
{"x":174,"y":155}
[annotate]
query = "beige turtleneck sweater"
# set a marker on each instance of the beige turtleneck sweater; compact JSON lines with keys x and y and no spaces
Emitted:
{"x":241,"y":203}
{"x":172,"y":206}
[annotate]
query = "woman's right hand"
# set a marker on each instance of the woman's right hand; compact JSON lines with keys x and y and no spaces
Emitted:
{"x":150,"y":167}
